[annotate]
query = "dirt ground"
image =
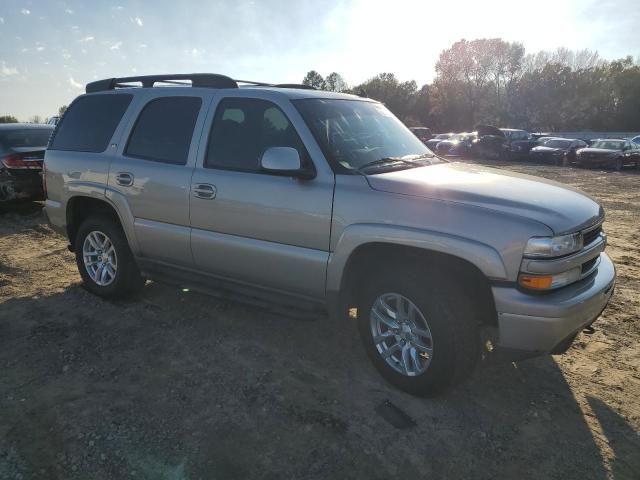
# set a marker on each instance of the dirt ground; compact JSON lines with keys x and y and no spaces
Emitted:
{"x":174,"y":385}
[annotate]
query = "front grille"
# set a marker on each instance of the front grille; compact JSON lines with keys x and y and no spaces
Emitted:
{"x":586,"y":266}
{"x":591,"y":236}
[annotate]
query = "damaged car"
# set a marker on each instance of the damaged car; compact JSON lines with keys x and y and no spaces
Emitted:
{"x":22,"y":148}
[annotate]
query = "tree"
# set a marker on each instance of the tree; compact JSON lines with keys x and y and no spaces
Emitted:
{"x":35,"y":119}
{"x":335,"y":83}
{"x":398,"y":96}
{"x":8,"y":119}
{"x":62,"y":109}
{"x":314,"y":79}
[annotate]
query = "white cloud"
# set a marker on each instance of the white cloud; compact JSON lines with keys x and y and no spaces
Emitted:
{"x":1,"y":19}
{"x":6,"y":71}
{"x":89,"y":38}
{"x":66,"y":55}
{"x":40,"y":48}
{"x":116,"y":46}
{"x":75,"y":84}
{"x":25,"y":11}
{"x":142,"y":45}
{"x":68,"y":11}
{"x":194,"y":52}
{"x":137,"y":21}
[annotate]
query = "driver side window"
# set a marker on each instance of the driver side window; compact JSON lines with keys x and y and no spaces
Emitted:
{"x":243,"y":128}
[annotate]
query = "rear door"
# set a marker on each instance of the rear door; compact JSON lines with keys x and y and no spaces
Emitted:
{"x":255,"y":227}
{"x":153,"y":171}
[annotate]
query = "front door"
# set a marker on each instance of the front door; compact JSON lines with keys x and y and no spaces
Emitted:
{"x":254,"y":227}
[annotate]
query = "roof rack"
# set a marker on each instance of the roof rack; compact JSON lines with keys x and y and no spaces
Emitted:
{"x":206,"y":80}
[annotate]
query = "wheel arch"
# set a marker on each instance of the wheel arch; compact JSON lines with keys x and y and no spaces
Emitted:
{"x":79,"y":207}
{"x":444,"y":254}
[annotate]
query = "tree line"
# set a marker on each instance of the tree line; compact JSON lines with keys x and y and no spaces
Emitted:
{"x":491,"y":81}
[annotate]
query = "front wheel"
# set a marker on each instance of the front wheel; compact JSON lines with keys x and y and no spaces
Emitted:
{"x":421,"y":334}
{"x":104,"y":259}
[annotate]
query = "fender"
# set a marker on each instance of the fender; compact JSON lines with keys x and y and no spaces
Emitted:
{"x":115,"y":199}
{"x":484,"y":257}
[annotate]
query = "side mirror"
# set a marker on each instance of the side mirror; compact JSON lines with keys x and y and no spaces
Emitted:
{"x":284,"y":161}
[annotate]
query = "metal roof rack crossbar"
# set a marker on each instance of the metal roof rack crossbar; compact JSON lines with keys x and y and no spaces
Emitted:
{"x":206,"y":80}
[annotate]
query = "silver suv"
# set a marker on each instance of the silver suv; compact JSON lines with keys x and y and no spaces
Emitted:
{"x":319,"y":200}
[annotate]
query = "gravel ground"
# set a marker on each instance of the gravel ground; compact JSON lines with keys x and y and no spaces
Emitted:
{"x":177,"y":385}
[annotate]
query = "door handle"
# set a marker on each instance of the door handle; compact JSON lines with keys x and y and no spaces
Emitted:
{"x":205,"y":191}
{"x":124,"y":178}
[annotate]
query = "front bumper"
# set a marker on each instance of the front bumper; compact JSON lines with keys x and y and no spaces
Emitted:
{"x":537,"y":324}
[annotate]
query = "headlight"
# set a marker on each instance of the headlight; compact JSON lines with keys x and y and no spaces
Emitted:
{"x":553,"y":246}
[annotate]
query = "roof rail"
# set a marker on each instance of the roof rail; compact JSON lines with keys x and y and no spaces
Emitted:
{"x":207,"y":80}
{"x":295,"y":85}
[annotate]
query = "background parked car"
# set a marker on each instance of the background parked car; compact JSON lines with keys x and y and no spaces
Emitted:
{"x":22,"y":147}
{"x":636,"y":140}
{"x":433,"y":143}
{"x":612,"y":153}
{"x":53,"y":120}
{"x":559,"y":151}
{"x":456,"y":144}
{"x":519,"y":142}
{"x":423,"y":133}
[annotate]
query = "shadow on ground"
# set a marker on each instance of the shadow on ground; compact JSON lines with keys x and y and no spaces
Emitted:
{"x":175,"y":385}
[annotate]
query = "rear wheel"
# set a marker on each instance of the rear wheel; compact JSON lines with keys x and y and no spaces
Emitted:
{"x":104,"y":259}
{"x":618,"y":164}
{"x":419,"y":333}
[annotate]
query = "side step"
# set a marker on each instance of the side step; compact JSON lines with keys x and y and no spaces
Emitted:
{"x":291,"y":306}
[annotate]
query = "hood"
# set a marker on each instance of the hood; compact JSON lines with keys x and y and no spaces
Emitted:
{"x":601,"y":152}
{"x":543,"y":149}
{"x":561,"y":208}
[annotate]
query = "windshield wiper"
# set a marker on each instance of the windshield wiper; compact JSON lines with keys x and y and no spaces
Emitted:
{"x":387,"y":161}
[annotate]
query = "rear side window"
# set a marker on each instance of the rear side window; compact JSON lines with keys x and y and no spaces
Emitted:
{"x":164,"y":130}
{"x":89,"y":123}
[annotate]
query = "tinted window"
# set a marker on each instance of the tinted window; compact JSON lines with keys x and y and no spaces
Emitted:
{"x":89,"y":123}
{"x":243,"y":129}
{"x":164,"y":130}
{"x":25,"y":137}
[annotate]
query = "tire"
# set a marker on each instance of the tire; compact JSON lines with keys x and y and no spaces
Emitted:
{"x":618,"y":166}
{"x":123,"y":279}
{"x":454,"y":329}
{"x":564,"y":161}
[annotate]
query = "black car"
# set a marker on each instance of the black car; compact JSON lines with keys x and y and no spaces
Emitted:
{"x":433,"y":143}
{"x":518,"y":142}
{"x":612,"y":153}
{"x":22,"y":147}
{"x":456,"y":145}
{"x":559,"y":151}
{"x":423,"y":133}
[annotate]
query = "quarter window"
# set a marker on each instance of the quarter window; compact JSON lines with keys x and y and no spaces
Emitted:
{"x":89,"y":123}
{"x":243,"y":128}
{"x":164,"y":130}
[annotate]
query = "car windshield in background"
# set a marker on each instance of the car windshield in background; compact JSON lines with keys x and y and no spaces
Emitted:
{"x":355,"y":133}
{"x":608,"y":145}
{"x":26,"y":137}
{"x":557,"y":143}
{"x":443,"y":136}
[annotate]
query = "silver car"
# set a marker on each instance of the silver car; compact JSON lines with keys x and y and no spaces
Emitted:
{"x":324,"y":201}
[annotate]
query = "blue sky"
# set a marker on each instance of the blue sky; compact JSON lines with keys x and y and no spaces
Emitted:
{"x":50,"y":49}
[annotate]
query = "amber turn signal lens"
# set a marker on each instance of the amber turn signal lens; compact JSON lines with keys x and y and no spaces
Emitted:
{"x":536,"y":282}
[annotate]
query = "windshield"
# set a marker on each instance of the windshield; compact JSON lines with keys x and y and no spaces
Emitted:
{"x":608,"y":144}
{"x":556,"y":143}
{"x":443,"y":136}
{"x":353,"y":133}
{"x":25,"y":137}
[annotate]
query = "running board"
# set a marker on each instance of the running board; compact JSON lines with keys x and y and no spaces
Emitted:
{"x":271,"y":301}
